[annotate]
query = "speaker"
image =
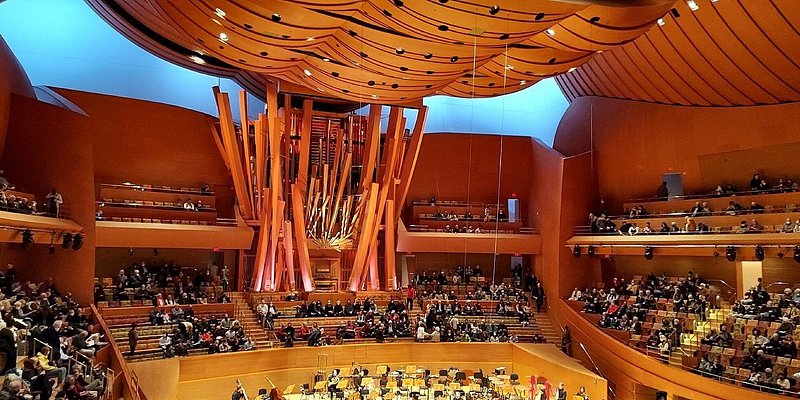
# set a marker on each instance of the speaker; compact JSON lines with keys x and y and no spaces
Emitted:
{"x":661,"y":395}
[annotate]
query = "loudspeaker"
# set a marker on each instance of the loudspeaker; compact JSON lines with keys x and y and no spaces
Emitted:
{"x":661,"y":395}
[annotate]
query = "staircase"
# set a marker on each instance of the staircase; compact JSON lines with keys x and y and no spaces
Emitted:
{"x":547,"y":328}
{"x":249,"y":321}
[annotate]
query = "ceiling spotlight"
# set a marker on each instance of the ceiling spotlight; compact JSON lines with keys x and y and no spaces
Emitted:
{"x":77,"y":242}
{"x":509,"y":66}
{"x":494,"y":9}
{"x":320,"y":89}
{"x":522,"y":83}
{"x":223,"y":36}
{"x":730,"y":253}
{"x":692,"y":5}
{"x":572,"y":69}
{"x":550,"y":31}
{"x":428,"y":56}
{"x":220,"y":13}
{"x":326,"y":59}
{"x":310,"y":39}
{"x":400,"y":50}
{"x":307,"y":72}
{"x":453,"y":59}
{"x":66,"y":240}
{"x":576,"y":251}
{"x":759,"y":253}
{"x":374,"y":96}
{"x":197,"y":59}
{"x":130,"y":251}
{"x":398,"y":3}
{"x":27,"y":238}
{"x":648,"y":252}
{"x":661,"y":22}
{"x":276,"y":17}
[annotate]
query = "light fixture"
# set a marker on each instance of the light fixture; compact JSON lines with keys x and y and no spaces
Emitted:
{"x":326,"y":59}
{"x":648,"y":252}
{"x":400,"y":50}
{"x":493,"y":10}
{"x":661,"y":22}
{"x":759,"y":253}
{"x":572,"y":69}
{"x":692,"y":5}
{"x":130,"y":251}
{"x":590,"y":251}
{"x":550,"y":31}
{"x":310,"y":39}
{"x":730,"y":253}
{"x":307,"y":72}
{"x":220,"y":13}
{"x":66,"y":240}
{"x":374,"y":96}
{"x":276,"y":17}
{"x":522,"y":83}
{"x":576,"y":251}
{"x":223,"y":36}
{"x":27,"y":238}
{"x":77,"y":242}
{"x":509,"y":66}
{"x":320,"y":89}
{"x":197,"y":59}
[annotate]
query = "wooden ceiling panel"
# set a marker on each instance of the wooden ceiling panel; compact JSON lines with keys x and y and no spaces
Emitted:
{"x":392,"y":51}
{"x":724,"y":53}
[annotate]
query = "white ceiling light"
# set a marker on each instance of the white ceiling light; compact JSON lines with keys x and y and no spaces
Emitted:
{"x":197,"y":59}
{"x":307,"y":72}
{"x":661,"y":22}
{"x":223,"y":36}
{"x":550,"y":31}
{"x":522,"y":83}
{"x":692,"y":5}
{"x":572,"y":69}
{"x":326,"y":59}
{"x":310,"y":39}
{"x":374,"y":96}
{"x":220,"y":13}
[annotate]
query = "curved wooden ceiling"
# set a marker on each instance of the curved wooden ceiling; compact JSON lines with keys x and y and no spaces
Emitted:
{"x":387,"y":51}
{"x":724,"y":53}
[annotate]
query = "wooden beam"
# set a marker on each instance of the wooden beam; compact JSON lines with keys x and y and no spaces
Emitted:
{"x":300,"y":238}
{"x":373,"y":283}
{"x":234,"y":157}
{"x":288,"y":246}
{"x":262,"y":245}
{"x":272,"y":256}
{"x":373,"y":141}
{"x":410,"y":160}
{"x":305,"y":146}
{"x":367,"y":222}
{"x":390,"y":273}
{"x":246,"y":151}
{"x":218,"y":141}
{"x":262,"y":143}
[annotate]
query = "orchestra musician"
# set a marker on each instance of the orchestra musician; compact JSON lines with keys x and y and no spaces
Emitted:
{"x":333,"y":380}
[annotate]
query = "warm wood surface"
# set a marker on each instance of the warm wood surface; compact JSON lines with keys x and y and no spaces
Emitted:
{"x":214,"y":376}
{"x":441,"y":242}
{"x":719,"y":203}
{"x":177,"y":236}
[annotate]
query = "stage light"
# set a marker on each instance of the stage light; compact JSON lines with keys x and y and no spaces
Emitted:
{"x":730,"y":253}
{"x":759,"y":253}
{"x":77,"y":242}
{"x":66,"y":240}
{"x":590,"y":251}
{"x":648,"y":252}
{"x":796,"y":254}
{"x":130,"y":251}
{"x":576,"y":251}
{"x":27,"y":238}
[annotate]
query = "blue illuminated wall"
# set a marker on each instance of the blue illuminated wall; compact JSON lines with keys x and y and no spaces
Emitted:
{"x":64,"y":43}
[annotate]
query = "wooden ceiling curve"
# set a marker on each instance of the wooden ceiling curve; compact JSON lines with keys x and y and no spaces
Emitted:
{"x":721,"y":53}
{"x":387,"y":51}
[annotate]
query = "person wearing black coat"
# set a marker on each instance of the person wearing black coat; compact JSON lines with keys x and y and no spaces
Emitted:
{"x":51,"y":336}
{"x":8,"y":346}
{"x":539,"y":295}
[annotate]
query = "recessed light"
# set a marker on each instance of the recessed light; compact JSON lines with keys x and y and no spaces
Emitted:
{"x":197,"y":59}
{"x":276,"y":17}
{"x":550,"y":31}
{"x":572,"y":69}
{"x":400,"y":50}
{"x":310,"y":39}
{"x":428,"y":56}
{"x":326,"y":59}
{"x":320,"y":89}
{"x":661,"y":22}
{"x":307,"y":72}
{"x":223,"y":36}
{"x":214,"y":20}
{"x":509,"y":66}
{"x":453,"y":58}
{"x":220,"y":13}
{"x":522,"y":83}
{"x":692,"y":5}
{"x":374,"y":96}
{"x":494,"y":9}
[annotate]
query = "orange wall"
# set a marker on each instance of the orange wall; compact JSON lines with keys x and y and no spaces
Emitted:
{"x":110,"y":260}
{"x":448,"y":262}
{"x":709,"y":145}
{"x":145,"y":142}
{"x":12,"y":80}
{"x":459,"y":166}
{"x":51,"y":147}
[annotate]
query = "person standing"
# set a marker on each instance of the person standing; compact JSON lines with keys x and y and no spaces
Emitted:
{"x":8,"y":346}
{"x":133,"y":339}
{"x":224,"y":278}
{"x":54,"y":202}
{"x":566,"y":341}
{"x":539,"y":296}
{"x":410,"y":293}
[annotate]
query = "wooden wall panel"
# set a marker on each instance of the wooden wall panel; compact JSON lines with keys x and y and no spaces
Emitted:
{"x":12,"y":80}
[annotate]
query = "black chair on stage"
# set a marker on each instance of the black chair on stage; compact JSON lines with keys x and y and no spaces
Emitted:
{"x":514,"y":379}
{"x":478,"y":375}
{"x":461,"y":376}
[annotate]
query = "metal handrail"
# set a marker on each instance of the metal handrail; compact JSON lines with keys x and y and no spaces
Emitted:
{"x":709,"y":195}
{"x":594,"y":365}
